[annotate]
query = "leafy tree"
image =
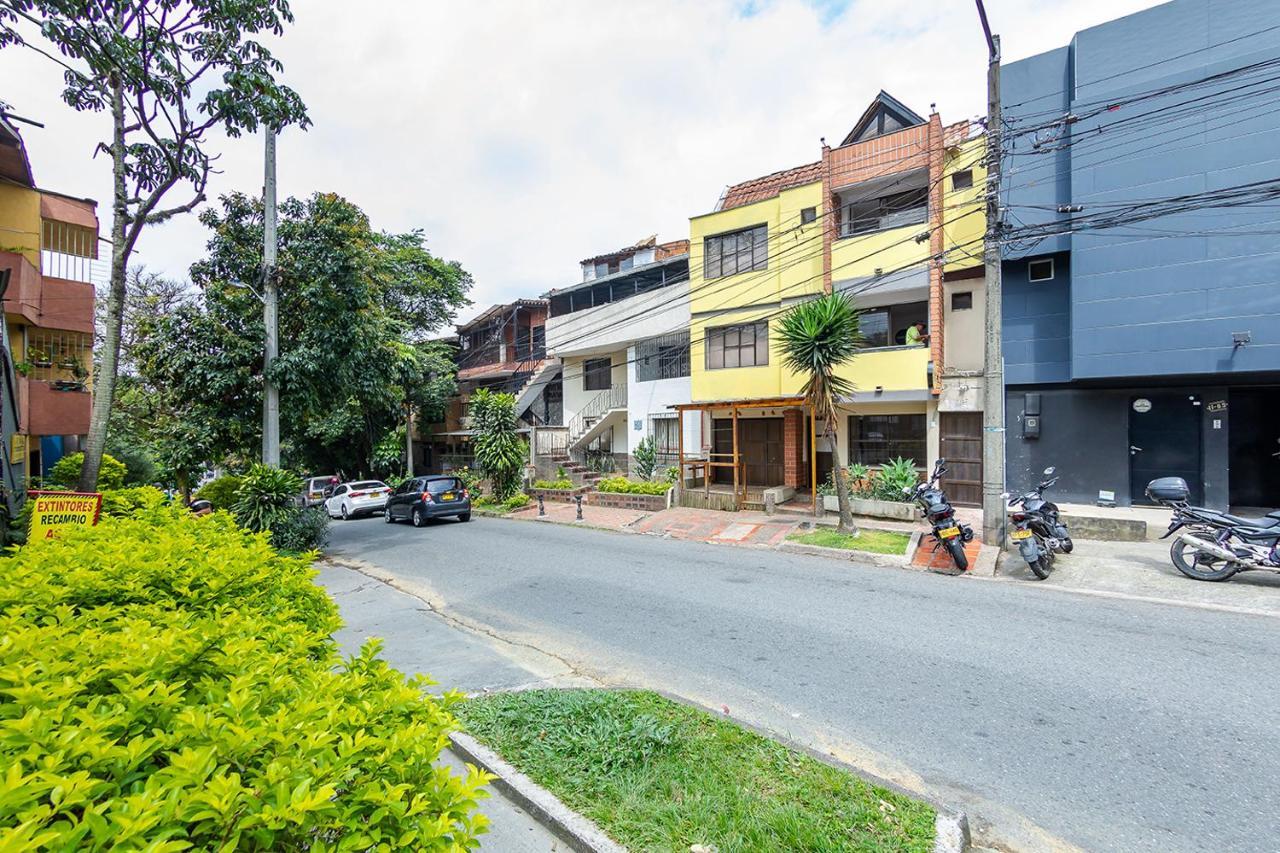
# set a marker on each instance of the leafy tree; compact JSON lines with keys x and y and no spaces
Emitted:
{"x":65,"y":473}
{"x":358,"y":308}
{"x":170,"y":73}
{"x":500,"y":452}
{"x":817,"y":338}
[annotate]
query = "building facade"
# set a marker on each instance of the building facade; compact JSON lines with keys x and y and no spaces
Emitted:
{"x":891,"y":216}
{"x":48,"y":245}
{"x":622,"y":338}
{"x":1141,"y":283}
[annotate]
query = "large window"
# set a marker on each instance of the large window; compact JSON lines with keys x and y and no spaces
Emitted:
{"x":741,"y":251}
{"x":596,"y":374}
{"x":890,"y":211}
{"x":877,"y":439}
{"x":738,"y":346}
{"x":666,"y":438}
{"x":887,"y":327}
{"x":665,"y":357}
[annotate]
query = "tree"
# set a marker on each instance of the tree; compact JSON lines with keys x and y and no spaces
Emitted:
{"x":646,"y":456}
{"x":169,"y":73}
{"x":500,"y":452}
{"x":818,"y":337}
{"x":358,"y":308}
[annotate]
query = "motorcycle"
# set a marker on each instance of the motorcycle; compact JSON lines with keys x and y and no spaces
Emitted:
{"x":947,"y":531}
{"x":1038,"y":529}
{"x":1219,"y":545}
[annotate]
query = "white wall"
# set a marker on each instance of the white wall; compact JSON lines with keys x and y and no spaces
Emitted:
{"x":609,"y":327}
{"x":647,"y":399}
{"x":963,"y":339}
{"x":576,"y":397}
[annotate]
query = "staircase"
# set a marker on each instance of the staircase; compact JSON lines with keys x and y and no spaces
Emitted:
{"x":579,"y":473}
{"x":604,"y":410}
{"x":534,"y":376}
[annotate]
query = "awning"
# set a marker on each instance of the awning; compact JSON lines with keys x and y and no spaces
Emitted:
{"x":72,"y":211}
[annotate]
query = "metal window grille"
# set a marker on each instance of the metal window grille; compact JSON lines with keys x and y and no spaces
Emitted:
{"x":663,"y":357}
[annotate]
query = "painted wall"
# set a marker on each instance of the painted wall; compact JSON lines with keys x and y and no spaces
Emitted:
{"x":605,"y":328}
{"x":576,"y":398}
{"x":964,"y":344}
{"x":964,"y":216}
{"x":647,"y":399}
{"x":20,"y":222}
{"x":1161,"y":298}
{"x":1037,"y":323}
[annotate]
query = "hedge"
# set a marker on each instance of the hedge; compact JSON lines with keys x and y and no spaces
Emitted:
{"x":169,"y":681}
{"x":621,"y":485}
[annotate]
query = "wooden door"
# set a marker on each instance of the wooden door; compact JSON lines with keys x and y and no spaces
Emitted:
{"x":759,"y":448}
{"x":961,"y":446}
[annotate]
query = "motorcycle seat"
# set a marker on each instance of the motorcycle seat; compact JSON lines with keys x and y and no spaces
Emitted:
{"x":1271,"y":520}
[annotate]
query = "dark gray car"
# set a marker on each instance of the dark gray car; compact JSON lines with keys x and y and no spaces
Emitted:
{"x":421,"y":498}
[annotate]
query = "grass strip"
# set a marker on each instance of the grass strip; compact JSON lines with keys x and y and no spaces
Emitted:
{"x":873,"y":541}
{"x":658,"y":775}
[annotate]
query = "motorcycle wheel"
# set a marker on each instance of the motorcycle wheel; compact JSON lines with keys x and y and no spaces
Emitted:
{"x":1202,"y":567}
{"x":957,"y":554}
{"x":1067,"y":545}
{"x":1042,"y":567}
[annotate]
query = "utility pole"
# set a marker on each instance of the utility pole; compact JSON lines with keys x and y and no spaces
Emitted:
{"x":408,"y":438}
{"x":993,"y":430}
{"x":270,"y":294}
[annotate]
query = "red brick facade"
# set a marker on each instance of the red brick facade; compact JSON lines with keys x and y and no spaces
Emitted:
{"x":793,"y":469}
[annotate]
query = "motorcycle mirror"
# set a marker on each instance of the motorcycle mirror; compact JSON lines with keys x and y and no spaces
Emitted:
{"x":1006,"y":495}
{"x":906,"y":490}
{"x":1049,"y":471}
{"x":940,"y":462}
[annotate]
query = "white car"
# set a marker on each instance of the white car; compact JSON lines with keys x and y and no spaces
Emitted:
{"x":363,"y":497}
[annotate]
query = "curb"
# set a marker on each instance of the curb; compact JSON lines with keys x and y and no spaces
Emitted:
{"x":888,"y":561}
{"x":570,"y":827}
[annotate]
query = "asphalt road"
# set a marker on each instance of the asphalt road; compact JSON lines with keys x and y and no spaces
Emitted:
{"x":1052,"y":719}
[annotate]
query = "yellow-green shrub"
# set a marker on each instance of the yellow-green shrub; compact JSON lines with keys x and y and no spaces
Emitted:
{"x":168,"y":681}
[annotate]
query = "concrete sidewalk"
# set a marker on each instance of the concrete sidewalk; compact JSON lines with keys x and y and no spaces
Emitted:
{"x":418,"y":640}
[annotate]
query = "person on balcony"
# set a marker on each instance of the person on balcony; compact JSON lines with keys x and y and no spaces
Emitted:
{"x":917,"y":336}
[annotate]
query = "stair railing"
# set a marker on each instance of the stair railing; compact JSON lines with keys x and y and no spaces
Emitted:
{"x":613,"y":398}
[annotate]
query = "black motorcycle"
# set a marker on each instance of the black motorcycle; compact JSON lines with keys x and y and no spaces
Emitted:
{"x":1037,"y":528}
{"x":1213,"y":545}
{"x":947,"y":531}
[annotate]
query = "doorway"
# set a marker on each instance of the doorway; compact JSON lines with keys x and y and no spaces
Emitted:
{"x":760,"y":448}
{"x":961,"y":446}
{"x":1165,"y":441}
{"x":1254,"y":448}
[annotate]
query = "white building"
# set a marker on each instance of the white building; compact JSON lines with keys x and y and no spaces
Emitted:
{"x":622,"y":336}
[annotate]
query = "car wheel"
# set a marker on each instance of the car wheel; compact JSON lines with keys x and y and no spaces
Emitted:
{"x":418,"y":518}
{"x":386,"y":515}
{"x":464,"y":516}
{"x":346,"y":515}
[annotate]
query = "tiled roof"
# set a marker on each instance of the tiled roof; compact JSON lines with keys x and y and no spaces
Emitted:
{"x":758,"y":189}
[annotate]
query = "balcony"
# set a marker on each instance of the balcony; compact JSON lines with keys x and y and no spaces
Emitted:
{"x":610,"y":327}
{"x":46,"y":301}
{"x":44,"y":410}
{"x":884,"y":222}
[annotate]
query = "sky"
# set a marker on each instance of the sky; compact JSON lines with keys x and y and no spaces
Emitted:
{"x":522,"y":137}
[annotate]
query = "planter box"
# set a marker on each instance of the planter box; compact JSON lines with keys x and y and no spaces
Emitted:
{"x":894,"y":510}
{"x":558,"y":495}
{"x":618,"y":500}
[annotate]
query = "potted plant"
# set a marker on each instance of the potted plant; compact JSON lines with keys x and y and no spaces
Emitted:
{"x":23,"y":368}
{"x":38,"y":357}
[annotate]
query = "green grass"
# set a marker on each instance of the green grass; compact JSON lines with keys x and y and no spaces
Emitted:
{"x":874,"y":541}
{"x":658,"y":775}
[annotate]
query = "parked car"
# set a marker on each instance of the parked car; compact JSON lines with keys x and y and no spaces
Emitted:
{"x":421,"y":498}
{"x":313,"y":489}
{"x":363,"y":497}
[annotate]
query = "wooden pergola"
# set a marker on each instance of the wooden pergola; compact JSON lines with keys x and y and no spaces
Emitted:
{"x":711,"y":460}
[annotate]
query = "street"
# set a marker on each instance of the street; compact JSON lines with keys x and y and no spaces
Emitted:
{"x":1052,"y":719}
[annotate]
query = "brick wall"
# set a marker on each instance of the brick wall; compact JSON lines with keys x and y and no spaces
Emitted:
{"x":793,"y":448}
{"x":643,"y":503}
{"x":560,"y":495}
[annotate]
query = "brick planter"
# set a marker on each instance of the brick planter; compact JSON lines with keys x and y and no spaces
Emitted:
{"x":618,"y":500}
{"x":559,"y":495}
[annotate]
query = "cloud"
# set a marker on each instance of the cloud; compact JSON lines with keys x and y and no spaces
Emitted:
{"x":522,"y":137}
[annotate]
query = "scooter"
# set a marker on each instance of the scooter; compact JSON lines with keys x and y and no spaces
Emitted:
{"x":1037,"y":528}
{"x":948,"y":532}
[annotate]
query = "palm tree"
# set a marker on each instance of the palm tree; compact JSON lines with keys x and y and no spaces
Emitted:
{"x":817,"y":338}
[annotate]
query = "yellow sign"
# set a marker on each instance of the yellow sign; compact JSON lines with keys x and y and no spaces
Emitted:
{"x":55,"y":511}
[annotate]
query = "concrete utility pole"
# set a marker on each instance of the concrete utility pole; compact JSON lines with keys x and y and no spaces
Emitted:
{"x":271,"y":394}
{"x":408,"y":438}
{"x":993,"y":431}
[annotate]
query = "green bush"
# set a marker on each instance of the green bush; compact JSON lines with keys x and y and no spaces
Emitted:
{"x":169,"y":682}
{"x":564,"y":483}
{"x":65,"y":473}
{"x":220,"y":492}
{"x":646,"y":458}
{"x":301,"y":530}
{"x":516,"y":501}
{"x":267,"y":500}
{"x":622,"y":485}
{"x":893,"y":477}
{"x":126,"y":502}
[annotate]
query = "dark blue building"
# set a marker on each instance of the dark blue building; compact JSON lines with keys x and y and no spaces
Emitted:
{"x":1142,"y":273}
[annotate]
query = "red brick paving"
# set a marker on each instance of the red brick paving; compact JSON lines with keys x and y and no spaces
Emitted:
{"x":722,"y":528}
{"x":940,"y":560}
{"x":592,"y":516}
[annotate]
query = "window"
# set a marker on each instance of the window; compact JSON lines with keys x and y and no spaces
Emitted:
{"x":596,"y":374}
{"x":666,"y":438}
{"x":877,"y":439}
{"x":890,"y":211}
{"x":1041,"y":270}
{"x":887,"y":327}
{"x":962,"y":180}
{"x":665,"y":357}
{"x":808,"y":214}
{"x":447,"y":484}
{"x":539,"y":342}
{"x":738,"y":346}
{"x":962,"y":301}
{"x":741,"y":251}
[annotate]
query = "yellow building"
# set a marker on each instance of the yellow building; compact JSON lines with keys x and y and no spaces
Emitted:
{"x":892,"y":216}
{"x":48,"y":243}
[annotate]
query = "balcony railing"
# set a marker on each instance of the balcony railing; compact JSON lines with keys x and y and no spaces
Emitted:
{"x":871,"y":224}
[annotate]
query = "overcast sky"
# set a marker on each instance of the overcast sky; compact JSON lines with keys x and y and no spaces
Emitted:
{"x":522,"y":137}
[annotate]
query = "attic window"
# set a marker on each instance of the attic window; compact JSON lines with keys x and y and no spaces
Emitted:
{"x":1041,"y":270}
{"x":808,"y":214}
{"x":962,"y":180}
